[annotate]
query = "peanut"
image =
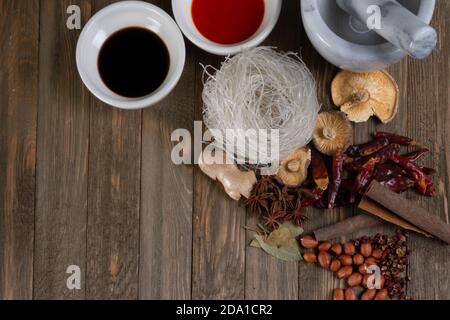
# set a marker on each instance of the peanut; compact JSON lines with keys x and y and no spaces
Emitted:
{"x":382,"y":279}
{"x":349,"y":294}
{"x":377,"y":253}
{"x":337,"y":249}
{"x":355,"y":279}
{"x":346,"y":260}
{"x":335,"y":265}
{"x":362,"y":269}
{"x":338,"y":294}
{"x":349,"y":248}
{"x":365,"y":280}
{"x":324,"y":259}
{"x":369,"y":294}
{"x":325,"y":246}
{"x":310,"y":257}
{"x":308,"y":242}
{"x":358,"y":259}
{"x":366,"y":249}
{"x":381,"y":294}
{"x":344,"y":272}
{"x":370,"y":261}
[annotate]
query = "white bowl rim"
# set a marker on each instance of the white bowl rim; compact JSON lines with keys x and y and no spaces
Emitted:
{"x":162,"y":92}
{"x":360,"y":51}
{"x":223,"y":50}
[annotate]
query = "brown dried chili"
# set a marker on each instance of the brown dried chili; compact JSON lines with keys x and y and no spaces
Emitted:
{"x":382,"y":156}
{"x":365,"y":175}
{"x":337,"y":169}
{"x":428,"y":171}
{"x":416,"y":155}
{"x":367,"y":149}
{"x":311,"y":197}
{"x":423,"y":183}
{"x":319,"y":170}
{"x":388,"y":170}
{"x":395,"y":138}
{"x":398,"y":184}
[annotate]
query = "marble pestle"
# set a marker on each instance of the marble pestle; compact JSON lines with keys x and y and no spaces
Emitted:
{"x":397,"y":25}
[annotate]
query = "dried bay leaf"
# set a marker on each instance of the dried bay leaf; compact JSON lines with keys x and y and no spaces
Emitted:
{"x":255,"y":244}
{"x":286,"y":252}
{"x":281,"y":243}
{"x":295,"y":230}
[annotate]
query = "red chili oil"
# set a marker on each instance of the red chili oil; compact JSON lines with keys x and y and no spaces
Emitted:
{"x":227,"y":21}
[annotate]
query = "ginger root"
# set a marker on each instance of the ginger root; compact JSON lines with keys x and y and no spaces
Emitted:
{"x":237,"y":183}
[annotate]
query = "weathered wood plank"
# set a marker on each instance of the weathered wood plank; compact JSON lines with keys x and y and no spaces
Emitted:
{"x":427,"y":116}
{"x":19,"y":43}
{"x":62,"y":156}
{"x":265,"y":276}
{"x":167,"y":193}
{"x":314,"y":282}
{"x":218,"y":270}
{"x":113,"y":200}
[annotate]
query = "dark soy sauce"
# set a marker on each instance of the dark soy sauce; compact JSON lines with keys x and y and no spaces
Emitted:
{"x":133,"y":62}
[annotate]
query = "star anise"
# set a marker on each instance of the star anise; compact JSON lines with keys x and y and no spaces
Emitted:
{"x":296,"y":215}
{"x":273,"y":219}
{"x":259,"y":203}
{"x":275,"y":202}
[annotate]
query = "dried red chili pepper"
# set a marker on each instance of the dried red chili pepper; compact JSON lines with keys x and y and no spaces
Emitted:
{"x":365,"y":175}
{"x":347,"y":184}
{"x":367,"y":149}
{"x":319,"y":170}
{"x":414,"y":156}
{"x":333,"y":189}
{"x":395,"y":138}
{"x":398,"y":184}
{"x":423,"y":183}
{"x":428,"y":171}
{"x":387,"y":170}
{"x":311,"y":196}
{"x":382,"y":155}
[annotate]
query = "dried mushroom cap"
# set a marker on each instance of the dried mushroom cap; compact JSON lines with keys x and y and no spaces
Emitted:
{"x":362,"y":95}
{"x":333,"y":131}
{"x":219,"y":167}
{"x":294,"y":169}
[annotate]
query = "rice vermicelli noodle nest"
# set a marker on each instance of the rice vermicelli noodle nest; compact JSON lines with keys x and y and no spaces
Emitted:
{"x":261,"y":88}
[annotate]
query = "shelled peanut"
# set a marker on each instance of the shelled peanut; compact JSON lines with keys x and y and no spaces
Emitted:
{"x":348,"y":261}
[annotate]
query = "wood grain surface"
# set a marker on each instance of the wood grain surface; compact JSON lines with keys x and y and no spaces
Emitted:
{"x":85,"y":184}
{"x":19,"y":39}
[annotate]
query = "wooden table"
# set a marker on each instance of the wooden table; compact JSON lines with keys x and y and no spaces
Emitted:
{"x":85,"y":184}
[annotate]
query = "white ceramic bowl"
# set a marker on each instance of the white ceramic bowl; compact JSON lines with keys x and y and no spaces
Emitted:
{"x":182,"y":12}
{"x":329,"y":32}
{"x":119,"y":16}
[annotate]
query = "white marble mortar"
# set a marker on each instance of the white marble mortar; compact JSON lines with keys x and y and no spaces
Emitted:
{"x":348,"y":44}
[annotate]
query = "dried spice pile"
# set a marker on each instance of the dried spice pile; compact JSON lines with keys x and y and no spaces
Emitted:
{"x":341,"y":179}
{"x":352,"y":260}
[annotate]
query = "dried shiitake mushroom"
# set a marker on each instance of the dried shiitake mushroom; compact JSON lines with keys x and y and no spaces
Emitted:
{"x":294,"y":169}
{"x":362,"y":95}
{"x":235,"y":181}
{"x":333,"y":131}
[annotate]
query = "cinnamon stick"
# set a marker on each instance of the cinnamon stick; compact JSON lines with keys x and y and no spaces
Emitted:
{"x":381,"y":212}
{"x":409,"y":211}
{"x":347,"y":226}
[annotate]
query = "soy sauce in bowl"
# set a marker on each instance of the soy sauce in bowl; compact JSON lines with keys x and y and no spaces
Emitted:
{"x":133,"y":62}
